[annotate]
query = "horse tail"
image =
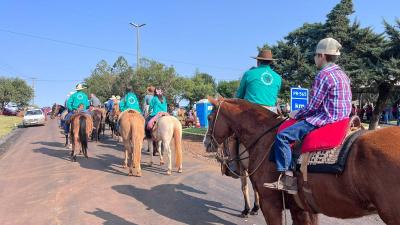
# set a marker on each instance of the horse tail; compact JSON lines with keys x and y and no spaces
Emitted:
{"x":178,"y":144}
{"x":82,"y":134}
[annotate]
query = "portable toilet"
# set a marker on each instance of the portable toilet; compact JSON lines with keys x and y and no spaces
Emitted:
{"x":203,"y":109}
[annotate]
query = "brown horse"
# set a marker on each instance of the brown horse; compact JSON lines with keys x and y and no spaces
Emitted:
{"x":113,"y":118}
{"x":368,"y":185}
{"x":81,"y":128}
{"x":132,"y":132}
{"x":98,"y":116}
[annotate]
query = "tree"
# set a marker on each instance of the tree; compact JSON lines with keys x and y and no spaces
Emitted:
{"x":227,"y":89}
{"x":14,"y":90}
{"x":101,"y":81}
{"x":363,"y":57}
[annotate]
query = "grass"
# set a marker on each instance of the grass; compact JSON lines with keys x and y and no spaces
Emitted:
{"x":8,"y":123}
{"x":195,"y":131}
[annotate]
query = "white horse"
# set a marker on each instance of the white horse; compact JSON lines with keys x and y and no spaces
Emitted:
{"x":166,"y":128}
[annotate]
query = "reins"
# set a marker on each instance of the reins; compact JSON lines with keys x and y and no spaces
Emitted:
{"x":226,"y":161}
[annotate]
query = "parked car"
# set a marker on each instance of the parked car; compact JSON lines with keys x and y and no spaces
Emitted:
{"x":34,"y":117}
{"x":9,"y":112}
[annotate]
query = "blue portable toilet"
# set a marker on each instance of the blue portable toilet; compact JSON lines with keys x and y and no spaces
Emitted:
{"x":203,"y":109}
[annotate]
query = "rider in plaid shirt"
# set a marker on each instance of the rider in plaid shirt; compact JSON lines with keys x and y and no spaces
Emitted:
{"x":331,"y":102}
{"x":331,"y":99}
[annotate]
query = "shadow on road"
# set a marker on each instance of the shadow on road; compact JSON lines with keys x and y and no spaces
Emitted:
{"x":104,"y":162}
{"x":110,"y":219}
{"x":177,"y":204}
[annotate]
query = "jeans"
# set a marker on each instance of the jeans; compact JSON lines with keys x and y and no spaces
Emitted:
{"x":67,"y":117}
{"x":281,"y":148}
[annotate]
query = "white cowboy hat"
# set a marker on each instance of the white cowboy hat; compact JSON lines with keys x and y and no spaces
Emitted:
{"x":112,"y":97}
{"x":79,"y":87}
{"x":118,"y":97}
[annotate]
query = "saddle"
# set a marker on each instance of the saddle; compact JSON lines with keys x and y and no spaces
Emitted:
{"x":151,"y":124}
{"x":325,"y":149}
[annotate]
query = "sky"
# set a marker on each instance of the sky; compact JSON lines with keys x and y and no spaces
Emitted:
{"x":60,"y":42}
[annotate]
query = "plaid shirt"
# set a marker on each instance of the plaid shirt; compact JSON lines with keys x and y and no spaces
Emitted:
{"x":331,"y":97}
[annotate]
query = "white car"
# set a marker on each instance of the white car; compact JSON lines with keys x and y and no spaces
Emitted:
{"x":34,"y":117}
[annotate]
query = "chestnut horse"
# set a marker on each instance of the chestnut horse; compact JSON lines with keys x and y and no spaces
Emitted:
{"x":98,"y":116}
{"x":368,"y":185}
{"x":131,"y":130}
{"x":81,"y":128}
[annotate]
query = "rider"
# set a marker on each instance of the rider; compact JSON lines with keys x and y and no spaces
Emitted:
{"x":261,"y":84}
{"x":147,"y":100}
{"x":331,"y":102}
{"x":94,"y":101}
{"x":157,"y":104}
{"x":74,"y":102}
{"x":129,"y":101}
{"x":110,"y":103}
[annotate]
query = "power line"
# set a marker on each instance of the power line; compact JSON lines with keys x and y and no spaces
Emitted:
{"x":112,"y":50}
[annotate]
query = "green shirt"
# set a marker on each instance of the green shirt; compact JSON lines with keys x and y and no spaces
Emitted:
{"x":156,"y":106}
{"x":130,"y":101}
{"x":78,"y":98}
{"x":260,"y":85}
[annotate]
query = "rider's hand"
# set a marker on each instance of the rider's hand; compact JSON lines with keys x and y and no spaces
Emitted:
{"x":292,"y":114}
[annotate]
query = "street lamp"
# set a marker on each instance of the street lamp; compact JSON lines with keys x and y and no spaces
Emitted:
{"x":137,"y":26}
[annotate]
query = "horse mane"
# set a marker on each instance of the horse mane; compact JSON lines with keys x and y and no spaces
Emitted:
{"x":253,"y":110}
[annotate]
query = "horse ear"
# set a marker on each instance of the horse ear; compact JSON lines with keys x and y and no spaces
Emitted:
{"x":212,"y":100}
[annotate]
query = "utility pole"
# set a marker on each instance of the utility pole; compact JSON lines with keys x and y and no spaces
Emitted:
{"x":33,"y":87}
{"x":137,"y":26}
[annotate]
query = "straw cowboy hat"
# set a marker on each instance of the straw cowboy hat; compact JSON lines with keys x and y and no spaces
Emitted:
{"x":112,"y":97}
{"x":118,"y":97}
{"x":80,"y":87}
{"x":265,"y":55}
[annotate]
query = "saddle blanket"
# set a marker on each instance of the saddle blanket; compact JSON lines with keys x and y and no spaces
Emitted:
{"x":153,"y":120}
{"x":329,"y":161}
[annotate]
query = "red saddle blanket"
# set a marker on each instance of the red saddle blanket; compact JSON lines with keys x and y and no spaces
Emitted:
{"x":324,"y":138}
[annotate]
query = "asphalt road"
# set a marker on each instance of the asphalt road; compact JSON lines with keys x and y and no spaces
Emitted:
{"x":40,"y":185}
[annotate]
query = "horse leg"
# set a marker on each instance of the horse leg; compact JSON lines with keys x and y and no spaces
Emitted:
{"x":256,"y":207}
{"x":129,"y":153}
{"x":151,"y":149}
{"x":245,"y":191}
{"x":160,"y":143}
{"x":167,"y":148}
{"x":126,"y":150}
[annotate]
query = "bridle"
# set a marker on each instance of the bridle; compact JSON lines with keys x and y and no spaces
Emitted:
{"x":224,"y":157}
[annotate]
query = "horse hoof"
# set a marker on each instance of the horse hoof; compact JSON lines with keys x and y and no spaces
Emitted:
{"x":244,"y":215}
{"x":124,"y":165}
{"x":169,"y":172}
{"x":151,"y":164}
{"x":254,"y":213}
{"x":138,"y":174}
{"x":161,"y":163}
{"x":180,"y":170}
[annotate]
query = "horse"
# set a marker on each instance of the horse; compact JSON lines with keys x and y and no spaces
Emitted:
{"x":81,"y":129}
{"x":98,"y":116}
{"x":132,"y":133}
{"x":56,"y":110}
{"x":231,"y":144}
{"x":113,"y":118}
{"x":166,"y":128}
{"x":368,"y":185}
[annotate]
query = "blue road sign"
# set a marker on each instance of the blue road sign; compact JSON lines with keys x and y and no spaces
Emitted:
{"x":298,"y":98}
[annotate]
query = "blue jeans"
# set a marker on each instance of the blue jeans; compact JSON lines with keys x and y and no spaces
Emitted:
{"x":281,"y":148}
{"x":66,"y":118}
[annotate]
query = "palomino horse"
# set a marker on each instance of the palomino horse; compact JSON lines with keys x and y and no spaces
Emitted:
{"x":231,"y":144}
{"x":132,"y":133}
{"x":368,"y":184}
{"x":166,"y":128}
{"x":81,"y":128}
{"x":98,"y":116}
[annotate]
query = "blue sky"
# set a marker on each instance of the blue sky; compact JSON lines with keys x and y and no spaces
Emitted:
{"x":217,"y":37}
